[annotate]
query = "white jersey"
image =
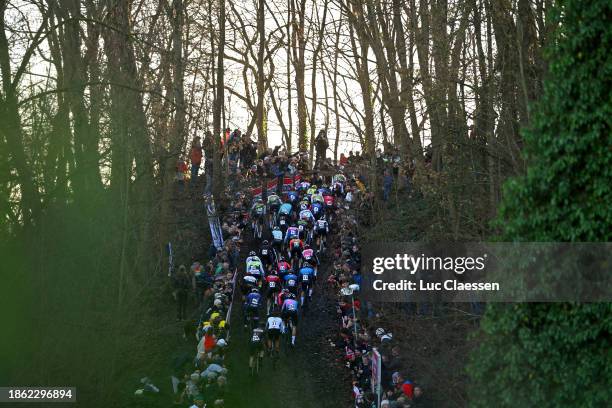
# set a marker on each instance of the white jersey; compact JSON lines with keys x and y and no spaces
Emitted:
{"x":275,"y":323}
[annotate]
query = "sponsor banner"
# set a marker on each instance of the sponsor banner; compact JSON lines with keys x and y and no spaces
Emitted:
{"x":287,"y":183}
{"x":479,"y":272}
{"x":272,"y":186}
{"x":216,"y":232}
{"x":256,"y":192}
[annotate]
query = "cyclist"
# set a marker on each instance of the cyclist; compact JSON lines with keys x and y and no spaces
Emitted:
{"x":307,"y":277}
{"x":320,"y":232}
{"x":267,"y":254}
{"x":274,"y":203}
{"x":273,"y":285}
{"x":291,"y":282}
{"x":282,"y":266}
{"x":309,"y":256}
{"x":289,"y":313}
{"x":338,"y":184}
{"x":292,"y":197}
{"x":251,"y":307}
{"x":306,"y":214}
{"x":256,"y":346}
{"x":284,"y":211}
{"x":318,"y":210}
{"x":296,"y":245}
{"x":311,"y":190}
{"x":303,"y":185}
{"x":277,"y":240}
{"x":248,"y":283}
{"x":292,"y":232}
{"x":258,"y":212}
{"x":254,"y":266}
{"x":274,"y":328}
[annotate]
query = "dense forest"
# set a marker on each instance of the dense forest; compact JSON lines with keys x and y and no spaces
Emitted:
{"x":499,"y":111}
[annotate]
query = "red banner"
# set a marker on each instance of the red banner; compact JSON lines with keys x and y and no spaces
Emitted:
{"x":287,"y":183}
{"x":256,"y":192}
{"x":272,"y":186}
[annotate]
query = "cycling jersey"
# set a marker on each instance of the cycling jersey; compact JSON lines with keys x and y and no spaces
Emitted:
{"x":253,"y":300}
{"x":277,"y":235}
{"x":317,"y":198}
{"x":285,"y":209}
{"x":292,"y":232}
{"x":283,"y":267}
{"x":253,"y":258}
{"x":306,"y":215}
{"x":258,"y":210}
{"x":324,"y":191}
{"x":255,"y":268}
{"x":317,"y":210}
{"x":257,"y":335}
{"x":296,"y":244}
{"x":274,"y":199}
{"x":267,"y":255}
{"x":250,"y":281}
{"x":322,"y":226}
{"x":309,"y":255}
{"x":275,"y":323}
{"x":290,"y":280}
{"x":311,"y":191}
{"x":306,"y":275}
{"x":273,"y":282}
{"x":292,"y":196}
{"x":290,"y":305}
{"x":303,"y":185}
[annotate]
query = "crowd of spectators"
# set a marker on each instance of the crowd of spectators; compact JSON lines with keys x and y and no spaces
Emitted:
{"x":358,"y":337}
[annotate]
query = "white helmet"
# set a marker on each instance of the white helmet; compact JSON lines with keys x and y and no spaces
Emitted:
{"x":380,"y":331}
{"x":221,"y":343}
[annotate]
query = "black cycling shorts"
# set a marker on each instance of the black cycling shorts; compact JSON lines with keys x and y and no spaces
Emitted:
{"x":255,"y":346}
{"x":292,"y":315}
{"x":274,"y":334}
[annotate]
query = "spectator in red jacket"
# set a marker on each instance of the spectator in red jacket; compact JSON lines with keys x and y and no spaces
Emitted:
{"x":196,"y":157}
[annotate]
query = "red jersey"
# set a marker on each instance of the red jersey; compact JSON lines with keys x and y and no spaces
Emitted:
{"x":273,"y":282}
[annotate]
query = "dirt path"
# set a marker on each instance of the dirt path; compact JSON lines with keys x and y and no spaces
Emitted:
{"x":305,"y":377}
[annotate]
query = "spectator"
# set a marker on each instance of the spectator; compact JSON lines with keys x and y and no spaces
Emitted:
{"x":196,"y":157}
{"x":181,"y":291}
{"x":387,"y":185}
{"x":321,"y":144}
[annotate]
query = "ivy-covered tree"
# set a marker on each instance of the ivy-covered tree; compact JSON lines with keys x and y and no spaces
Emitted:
{"x":552,"y":355}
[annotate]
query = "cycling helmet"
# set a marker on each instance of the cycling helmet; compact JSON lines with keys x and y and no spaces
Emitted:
{"x":306,"y":246}
{"x":221,"y":343}
{"x":380,"y":331}
{"x":275,"y":228}
{"x":265,"y":242}
{"x":255,"y":290}
{"x":282,"y":258}
{"x":252,"y":253}
{"x":259,"y":201}
{"x":285,"y":291}
{"x":303,"y":207}
{"x":291,"y":296}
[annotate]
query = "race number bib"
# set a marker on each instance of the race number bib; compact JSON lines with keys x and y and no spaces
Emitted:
{"x":291,"y":282}
{"x":305,"y":278}
{"x":255,"y":338}
{"x":282,"y":222}
{"x":272,"y":284}
{"x":301,"y":227}
{"x":264,"y":252}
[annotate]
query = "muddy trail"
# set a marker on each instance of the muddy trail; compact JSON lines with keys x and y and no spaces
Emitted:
{"x":307,"y":376}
